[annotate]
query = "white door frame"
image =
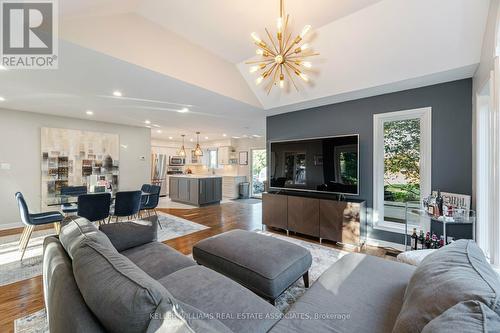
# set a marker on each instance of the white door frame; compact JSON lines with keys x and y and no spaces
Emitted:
{"x":425,"y":116}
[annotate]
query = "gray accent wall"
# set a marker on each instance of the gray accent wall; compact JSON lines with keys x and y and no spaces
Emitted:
{"x":451,"y":104}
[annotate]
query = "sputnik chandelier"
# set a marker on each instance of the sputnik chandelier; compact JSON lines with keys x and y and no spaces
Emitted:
{"x":284,"y":57}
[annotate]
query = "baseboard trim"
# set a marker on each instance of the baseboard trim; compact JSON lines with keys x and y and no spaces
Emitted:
{"x":7,"y":226}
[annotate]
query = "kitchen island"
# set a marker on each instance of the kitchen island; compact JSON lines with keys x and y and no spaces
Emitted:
{"x":195,"y":190}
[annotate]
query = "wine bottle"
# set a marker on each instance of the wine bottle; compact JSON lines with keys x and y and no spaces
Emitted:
{"x":441,"y":242}
{"x":439,"y":203}
{"x":434,"y":241}
{"x":421,"y":240}
{"x":428,"y":240}
{"x":414,"y":239}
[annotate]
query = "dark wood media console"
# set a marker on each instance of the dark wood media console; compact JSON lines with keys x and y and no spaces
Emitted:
{"x":317,"y":215}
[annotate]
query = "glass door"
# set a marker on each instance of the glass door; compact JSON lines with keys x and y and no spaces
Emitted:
{"x":258,"y":172}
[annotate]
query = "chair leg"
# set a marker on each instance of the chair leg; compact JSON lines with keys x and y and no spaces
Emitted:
{"x":306,"y":279}
{"x":23,"y":236}
{"x":27,"y":239}
{"x":57,"y":227}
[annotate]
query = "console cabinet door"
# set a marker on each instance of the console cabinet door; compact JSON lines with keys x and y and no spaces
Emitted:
{"x":331,"y":217}
{"x":303,"y":215}
{"x":274,"y":210}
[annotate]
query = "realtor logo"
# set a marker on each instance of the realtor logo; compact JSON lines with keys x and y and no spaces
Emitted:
{"x":29,"y":34}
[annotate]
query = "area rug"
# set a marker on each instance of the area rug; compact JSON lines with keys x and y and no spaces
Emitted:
{"x":323,"y":257}
{"x":12,"y":270}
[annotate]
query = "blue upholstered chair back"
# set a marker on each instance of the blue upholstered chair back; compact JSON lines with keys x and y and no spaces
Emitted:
{"x":145,"y":188}
{"x":153,"y":198}
{"x":127,"y":203}
{"x":74,"y":190}
{"x":94,"y":207}
{"x":23,"y":209}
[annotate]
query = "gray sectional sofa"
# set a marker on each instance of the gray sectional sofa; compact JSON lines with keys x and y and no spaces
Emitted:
{"x":120,"y":279}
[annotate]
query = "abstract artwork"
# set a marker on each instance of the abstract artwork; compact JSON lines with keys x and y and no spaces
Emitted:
{"x":78,"y":158}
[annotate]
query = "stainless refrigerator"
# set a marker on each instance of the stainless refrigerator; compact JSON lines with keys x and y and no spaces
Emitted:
{"x":159,"y":164}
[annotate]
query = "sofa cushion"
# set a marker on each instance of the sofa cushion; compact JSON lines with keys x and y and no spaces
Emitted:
{"x":119,"y":294}
{"x":221,"y":298}
{"x":467,"y":317}
{"x":75,"y":231}
{"x":179,"y":317}
{"x":359,"y":293}
{"x":157,"y":259}
{"x":127,"y":235}
{"x":455,"y":273}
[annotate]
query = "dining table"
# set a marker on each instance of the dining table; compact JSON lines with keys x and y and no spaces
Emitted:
{"x":63,"y":199}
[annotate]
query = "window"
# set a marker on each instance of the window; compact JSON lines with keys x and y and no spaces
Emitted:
{"x":402,"y":165}
{"x":212,"y":159}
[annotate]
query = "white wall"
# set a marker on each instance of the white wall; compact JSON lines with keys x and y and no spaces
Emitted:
{"x":20,"y":147}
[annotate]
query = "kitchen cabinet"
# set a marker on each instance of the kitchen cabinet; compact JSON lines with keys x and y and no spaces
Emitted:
{"x":231,"y":186}
{"x":225,"y":155}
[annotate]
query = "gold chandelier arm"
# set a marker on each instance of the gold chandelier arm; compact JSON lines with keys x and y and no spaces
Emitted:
{"x":303,"y":56}
{"x":259,"y":62}
{"x":273,"y":81}
{"x":291,"y":77}
{"x":272,"y":41}
{"x":265,"y":48}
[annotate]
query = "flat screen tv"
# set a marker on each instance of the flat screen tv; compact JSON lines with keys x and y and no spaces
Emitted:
{"x":327,"y":164}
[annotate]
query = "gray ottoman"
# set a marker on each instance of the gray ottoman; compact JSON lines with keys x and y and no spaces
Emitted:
{"x":266,"y":265}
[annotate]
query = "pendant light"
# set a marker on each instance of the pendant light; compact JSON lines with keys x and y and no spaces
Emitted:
{"x":197,"y":150}
{"x":182,"y":151}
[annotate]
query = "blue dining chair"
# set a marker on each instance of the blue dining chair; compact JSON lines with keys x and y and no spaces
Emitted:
{"x":94,"y":207}
{"x":32,"y":220}
{"x":150,"y":201}
{"x":145,"y":188}
{"x":127,"y":204}
{"x":68,"y":208}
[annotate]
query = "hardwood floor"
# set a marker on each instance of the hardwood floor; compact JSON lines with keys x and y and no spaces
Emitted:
{"x":25,"y":297}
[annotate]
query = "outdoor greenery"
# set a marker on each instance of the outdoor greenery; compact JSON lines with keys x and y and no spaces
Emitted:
{"x":402,"y":160}
{"x":258,"y":165}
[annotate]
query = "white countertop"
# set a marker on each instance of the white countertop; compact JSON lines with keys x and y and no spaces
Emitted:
{"x":195,"y":176}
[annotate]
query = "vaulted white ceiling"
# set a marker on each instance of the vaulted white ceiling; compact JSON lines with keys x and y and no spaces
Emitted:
{"x":194,"y":52}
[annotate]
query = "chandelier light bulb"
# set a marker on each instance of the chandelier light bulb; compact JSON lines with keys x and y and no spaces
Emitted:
{"x":307,"y":64}
{"x":305,"y":30}
{"x":304,"y":47}
{"x":259,"y":80}
{"x":279,"y":24}
{"x":259,"y":52}
{"x":256,"y":38}
{"x":254,"y":69}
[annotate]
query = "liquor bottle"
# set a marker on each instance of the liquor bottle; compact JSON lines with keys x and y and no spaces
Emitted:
{"x":439,"y":203}
{"x":421,"y":240}
{"x":428,"y":240}
{"x":414,"y":239}
{"x":434,"y":242}
{"x":441,"y":242}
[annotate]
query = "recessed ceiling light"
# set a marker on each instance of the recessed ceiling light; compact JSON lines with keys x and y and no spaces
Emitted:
{"x":148,"y":126}
{"x":158,"y":131}
{"x":170,"y":138}
{"x":117,"y":93}
{"x":2,"y":99}
{"x":224,"y":135}
{"x":183,"y":110}
{"x":157,"y":126}
{"x":236,"y":137}
{"x":147,"y":122}
{"x":256,"y":136}
{"x":206,"y":138}
{"x":89,"y":112}
{"x":191,"y":140}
